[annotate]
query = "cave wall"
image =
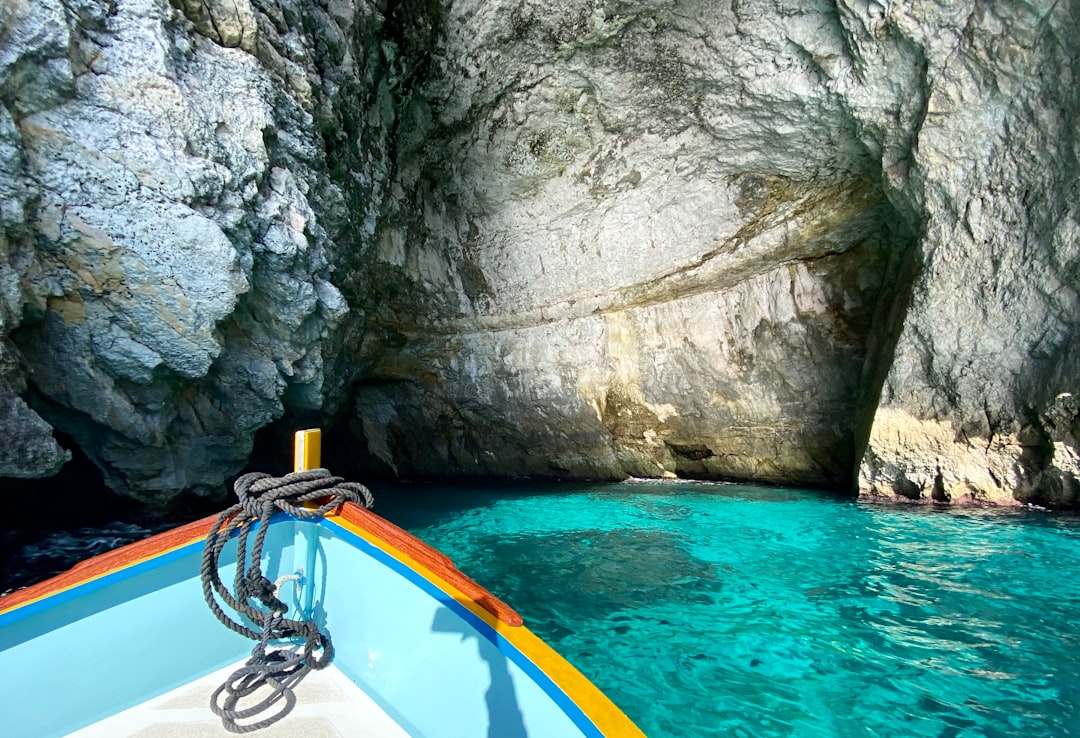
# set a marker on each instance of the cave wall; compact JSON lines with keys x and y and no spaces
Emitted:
{"x":639,"y":239}
{"x":829,"y":243}
{"x":179,"y":179}
{"x":980,"y":402}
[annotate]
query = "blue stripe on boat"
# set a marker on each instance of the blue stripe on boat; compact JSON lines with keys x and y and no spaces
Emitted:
{"x":508,"y":649}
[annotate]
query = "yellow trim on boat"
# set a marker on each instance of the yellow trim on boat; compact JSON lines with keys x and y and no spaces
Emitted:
{"x":607,"y":717}
{"x":595,"y":704}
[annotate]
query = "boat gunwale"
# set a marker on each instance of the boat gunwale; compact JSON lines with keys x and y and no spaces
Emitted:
{"x":170,"y":540}
{"x":110,"y":562}
{"x":584,"y":703}
{"x":467,"y":597}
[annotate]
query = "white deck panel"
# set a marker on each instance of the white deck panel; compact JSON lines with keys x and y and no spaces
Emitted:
{"x":328,"y":705}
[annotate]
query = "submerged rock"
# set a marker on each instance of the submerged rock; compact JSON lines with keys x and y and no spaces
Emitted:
{"x":833,"y":244}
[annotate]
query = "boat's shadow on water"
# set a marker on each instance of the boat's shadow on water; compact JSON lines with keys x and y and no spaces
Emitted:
{"x":504,"y":713}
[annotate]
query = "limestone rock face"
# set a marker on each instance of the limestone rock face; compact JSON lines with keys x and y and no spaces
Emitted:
{"x":28,"y":447}
{"x":824,"y":243}
{"x":641,"y":239}
{"x":182,"y":218}
{"x":752,"y":241}
{"x":979,"y":404}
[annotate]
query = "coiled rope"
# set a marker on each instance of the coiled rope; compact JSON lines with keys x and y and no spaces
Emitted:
{"x":260,"y":496}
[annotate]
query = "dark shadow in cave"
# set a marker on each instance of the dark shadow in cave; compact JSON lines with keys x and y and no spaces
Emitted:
{"x":886,"y":326}
{"x":55,"y":522}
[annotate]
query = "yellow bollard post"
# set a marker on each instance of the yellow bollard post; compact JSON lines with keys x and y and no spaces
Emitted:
{"x":307,"y":454}
{"x":307,"y":450}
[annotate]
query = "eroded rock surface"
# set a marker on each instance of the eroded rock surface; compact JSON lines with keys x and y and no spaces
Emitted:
{"x":978,"y":403}
{"x":183,"y":217}
{"x":638,"y":239}
{"x":828,"y":243}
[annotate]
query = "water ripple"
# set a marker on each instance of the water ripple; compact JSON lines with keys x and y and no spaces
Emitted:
{"x":710,"y":610}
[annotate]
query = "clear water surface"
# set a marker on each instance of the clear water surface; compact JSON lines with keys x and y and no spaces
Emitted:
{"x":706,"y":609}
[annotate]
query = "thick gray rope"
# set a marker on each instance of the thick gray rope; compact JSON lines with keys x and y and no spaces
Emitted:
{"x":260,"y":496}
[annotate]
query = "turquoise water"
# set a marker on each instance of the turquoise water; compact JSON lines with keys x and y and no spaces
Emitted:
{"x":706,"y":610}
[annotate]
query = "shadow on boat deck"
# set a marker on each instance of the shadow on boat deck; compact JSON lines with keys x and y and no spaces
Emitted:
{"x":504,"y":713}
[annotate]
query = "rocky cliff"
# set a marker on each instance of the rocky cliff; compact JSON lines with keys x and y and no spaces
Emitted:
{"x":176,"y":190}
{"x":832,"y":243}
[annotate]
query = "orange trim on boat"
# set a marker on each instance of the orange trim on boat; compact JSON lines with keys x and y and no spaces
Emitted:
{"x":432,"y":559}
{"x":595,"y":704}
{"x":419,"y":556}
{"x":148,"y":548}
{"x":110,"y":561}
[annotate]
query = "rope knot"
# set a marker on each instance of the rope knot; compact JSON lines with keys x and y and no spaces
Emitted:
{"x":257,"y":586}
